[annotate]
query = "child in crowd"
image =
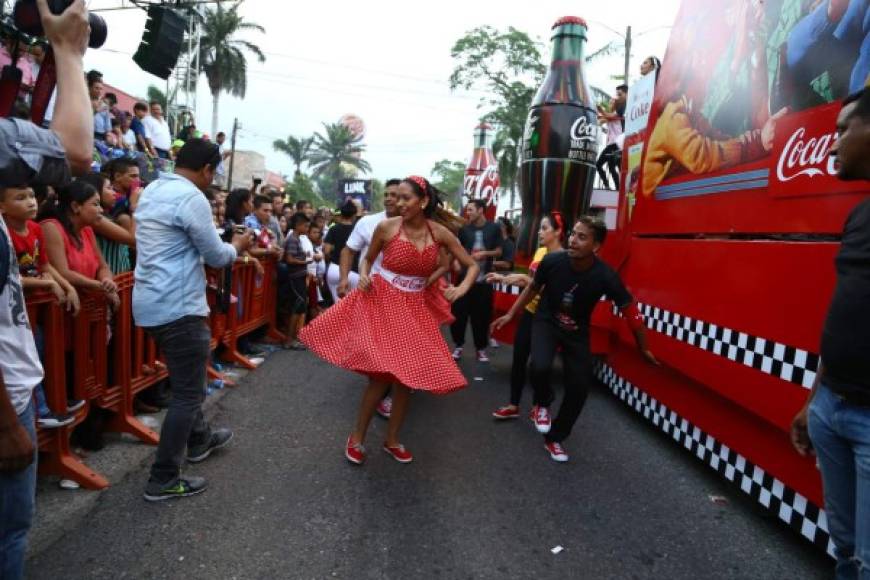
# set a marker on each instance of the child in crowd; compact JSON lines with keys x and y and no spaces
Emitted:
{"x":316,"y":270}
{"x":295,"y":289}
{"x":18,"y":206}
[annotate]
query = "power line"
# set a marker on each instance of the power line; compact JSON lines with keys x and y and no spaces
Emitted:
{"x":392,"y":89}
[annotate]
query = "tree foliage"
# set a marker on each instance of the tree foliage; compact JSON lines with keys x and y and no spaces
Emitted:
{"x":509,"y":66}
{"x":333,"y":152}
{"x":297,"y":148}
{"x":449,"y":177}
{"x":222,"y":55}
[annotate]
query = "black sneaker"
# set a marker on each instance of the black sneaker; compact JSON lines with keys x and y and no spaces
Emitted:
{"x":178,"y":487}
{"x":53,"y":421}
{"x":73,"y":405}
{"x":219,"y":438}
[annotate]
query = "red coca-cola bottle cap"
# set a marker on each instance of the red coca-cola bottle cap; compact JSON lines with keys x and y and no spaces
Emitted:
{"x":570,"y":20}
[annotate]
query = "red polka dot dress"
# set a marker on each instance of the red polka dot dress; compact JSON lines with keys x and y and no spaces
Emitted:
{"x":388,"y":333}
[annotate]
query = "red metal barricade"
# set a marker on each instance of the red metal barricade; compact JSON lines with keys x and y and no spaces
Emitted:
{"x":254,"y":306}
{"x":135,"y":367}
{"x":56,"y":457}
{"x":84,"y":343}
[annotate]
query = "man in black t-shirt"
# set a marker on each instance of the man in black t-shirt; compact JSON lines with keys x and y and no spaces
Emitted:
{"x":483,"y":240}
{"x":835,"y":421}
{"x":570,"y":285}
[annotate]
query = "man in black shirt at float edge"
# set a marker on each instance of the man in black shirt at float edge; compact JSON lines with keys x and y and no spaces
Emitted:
{"x":570,"y":284}
{"x":835,"y":421}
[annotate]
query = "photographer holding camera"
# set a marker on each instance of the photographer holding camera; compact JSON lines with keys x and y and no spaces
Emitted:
{"x":174,"y":235}
{"x":31,"y":154}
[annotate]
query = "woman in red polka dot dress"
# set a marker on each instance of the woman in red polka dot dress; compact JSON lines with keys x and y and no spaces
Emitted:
{"x":388,"y":329}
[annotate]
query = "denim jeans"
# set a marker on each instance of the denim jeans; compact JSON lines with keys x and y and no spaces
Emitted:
{"x":185,"y":346}
{"x":17,"y":503}
{"x":840,"y":434}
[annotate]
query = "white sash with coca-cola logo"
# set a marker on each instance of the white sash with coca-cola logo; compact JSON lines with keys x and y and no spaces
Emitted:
{"x":403,"y":283}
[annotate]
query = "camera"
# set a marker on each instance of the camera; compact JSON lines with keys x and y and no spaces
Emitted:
{"x":25,"y":14}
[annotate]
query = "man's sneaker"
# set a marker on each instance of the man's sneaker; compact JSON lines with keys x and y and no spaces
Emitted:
{"x":506,"y":412}
{"x":354,"y":452}
{"x":457,"y":353}
{"x":385,"y":407}
{"x":493,"y":343}
{"x":73,"y":405}
{"x":178,"y":487}
{"x":482,"y":356}
{"x":556,"y":451}
{"x":399,"y":453}
{"x":542,"y":420}
{"x":53,"y":421}
{"x":219,"y":438}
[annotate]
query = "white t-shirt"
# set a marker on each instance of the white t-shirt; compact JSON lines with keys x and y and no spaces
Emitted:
{"x":308,"y":248}
{"x":19,"y":360}
{"x":158,"y":132}
{"x":130,"y":138}
{"x":361,"y":237}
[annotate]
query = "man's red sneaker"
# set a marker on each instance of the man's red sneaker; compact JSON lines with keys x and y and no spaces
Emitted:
{"x":506,"y":412}
{"x":556,"y":451}
{"x":399,"y":453}
{"x":354,"y":452}
{"x":542,"y":420}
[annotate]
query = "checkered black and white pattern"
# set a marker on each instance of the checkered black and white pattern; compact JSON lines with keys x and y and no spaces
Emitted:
{"x":508,"y":289}
{"x":788,"y":363}
{"x":791,"y":507}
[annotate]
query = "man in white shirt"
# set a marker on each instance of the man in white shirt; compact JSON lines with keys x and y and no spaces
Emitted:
{"x":158,"y":130}
{"x":359,"y":241}
{"x":361,"y":237}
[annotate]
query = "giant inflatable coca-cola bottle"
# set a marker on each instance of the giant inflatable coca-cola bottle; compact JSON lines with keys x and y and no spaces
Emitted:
{"x":481,"y":175}
{"x":560,"y":143}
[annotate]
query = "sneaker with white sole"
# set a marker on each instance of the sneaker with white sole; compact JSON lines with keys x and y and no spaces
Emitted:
{"x":482,"y":356}
{"x":457,"y":353}
{"x":354,"y":452}
{"x":385,"y":407}
{"x":542,"y":420}
{"x":556,"y":452}
{"x":54,"y":420}
{"x":178,"y":487}
{"x":219,"y":438}
{"x":399,"y":453}
{"x":506,"y":412}
{"x":493,"y":343}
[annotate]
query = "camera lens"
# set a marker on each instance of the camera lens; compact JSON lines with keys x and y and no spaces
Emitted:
{"x":99,"y":31}
{"x":26,"y":17}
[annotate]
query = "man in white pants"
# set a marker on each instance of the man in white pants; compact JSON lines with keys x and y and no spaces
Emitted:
{"x":359,"y":241}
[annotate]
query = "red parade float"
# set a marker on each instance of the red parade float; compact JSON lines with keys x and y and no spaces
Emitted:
{"x":725,"y":231}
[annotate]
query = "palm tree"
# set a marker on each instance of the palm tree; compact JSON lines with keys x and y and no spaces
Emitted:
{"x":297,"y":148}
{"x":222,"y":57}
{"x":332,"y":151}
{"x":507,"y":152}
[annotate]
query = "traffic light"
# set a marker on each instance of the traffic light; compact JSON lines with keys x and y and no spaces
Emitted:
{"x":161,"y":42}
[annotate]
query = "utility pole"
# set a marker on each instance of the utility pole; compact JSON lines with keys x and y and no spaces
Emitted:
{"x":232,"y":153}
{"x":627,"y":51}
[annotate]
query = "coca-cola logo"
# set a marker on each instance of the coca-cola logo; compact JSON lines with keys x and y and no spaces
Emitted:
{"x":583,"y":130}
{"x":809,"y":157}
{"x":483,"y":185}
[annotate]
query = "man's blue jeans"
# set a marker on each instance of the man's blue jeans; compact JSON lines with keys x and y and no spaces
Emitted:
{"x":840,"y":434}
{"x":17,"y":501}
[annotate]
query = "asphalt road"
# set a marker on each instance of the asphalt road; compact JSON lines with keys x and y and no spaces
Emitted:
{"x":480,"y":500}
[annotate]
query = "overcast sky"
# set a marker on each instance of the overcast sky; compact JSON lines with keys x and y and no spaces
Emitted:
{"x":386,"y":61}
